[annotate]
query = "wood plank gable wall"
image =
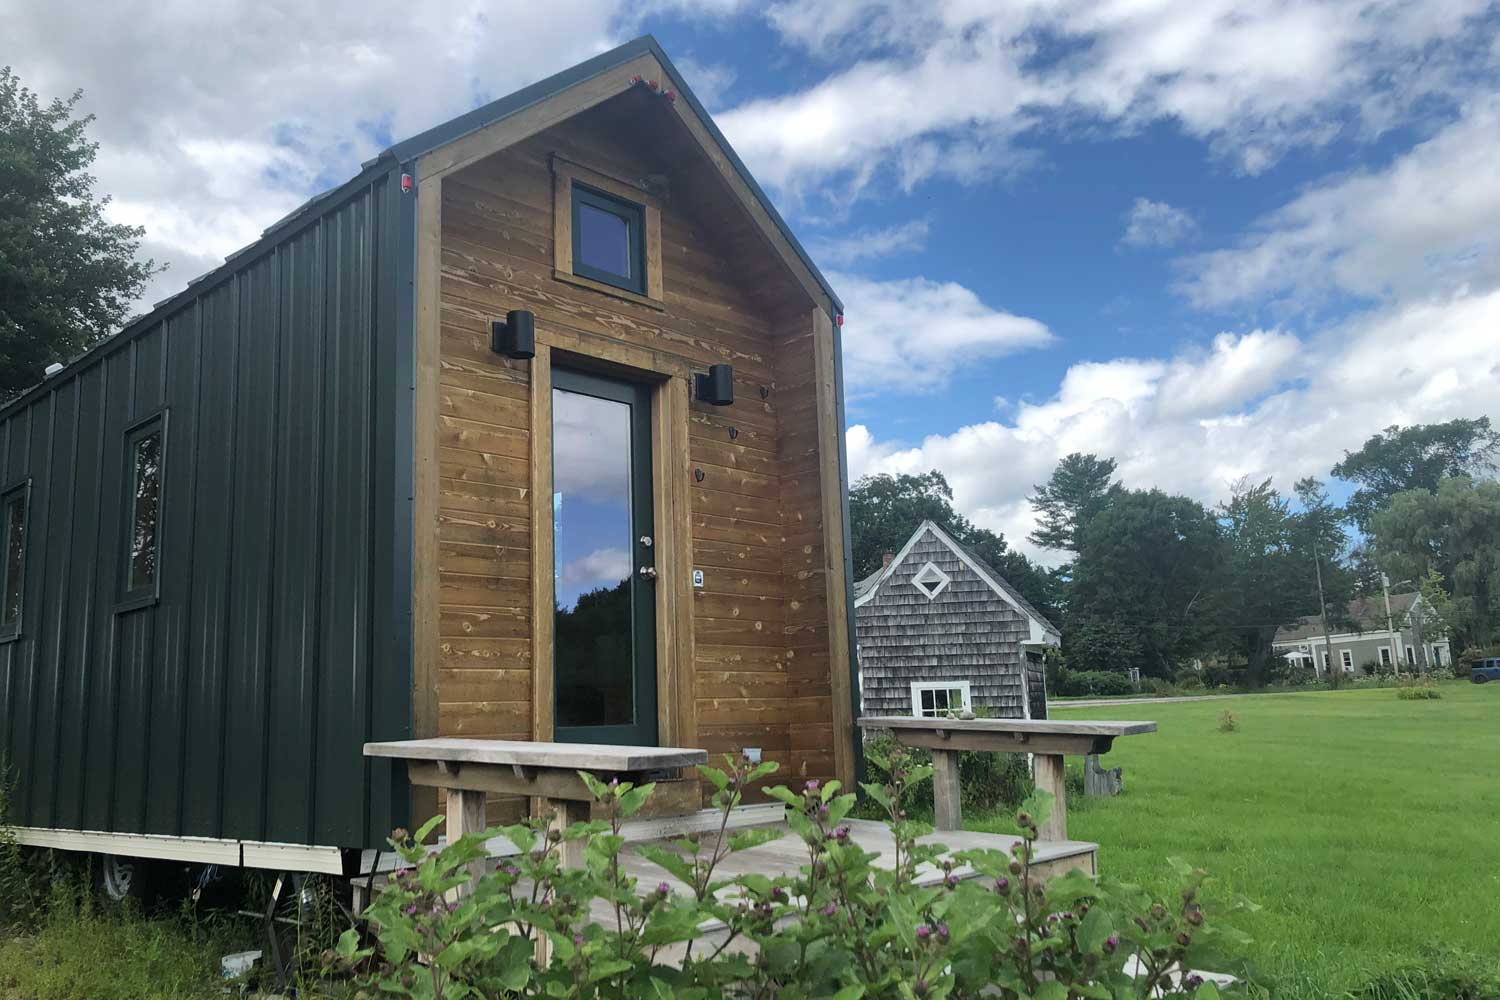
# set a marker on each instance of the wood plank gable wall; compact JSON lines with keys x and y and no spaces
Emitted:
{"x":760,"y":665}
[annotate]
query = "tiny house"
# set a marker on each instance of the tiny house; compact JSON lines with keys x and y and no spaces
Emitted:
{"x":531,"y":430}
{"x":940,"y":632}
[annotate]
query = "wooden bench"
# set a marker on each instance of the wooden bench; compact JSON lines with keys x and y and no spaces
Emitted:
{"x":467,"y":770}
{"x":1049,"y":741}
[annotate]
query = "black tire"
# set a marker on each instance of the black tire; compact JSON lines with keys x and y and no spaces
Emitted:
{"x":121,"y":881}
{"x":1479,"y":678}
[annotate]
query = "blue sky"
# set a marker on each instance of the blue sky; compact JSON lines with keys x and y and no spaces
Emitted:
{"x":1208,"y":239}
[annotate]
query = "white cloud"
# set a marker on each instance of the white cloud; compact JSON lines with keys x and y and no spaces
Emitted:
{"x":911,"y":335}
{"x":868,"y":244}
{"x":1262,"y":404}
{"x":708,"y":81}
{"x":601,"y":567}
{"x":948,"y":88}
{"x":1156,"y":224}
{"x":216,"y":119}
{"x":1428,"y":223}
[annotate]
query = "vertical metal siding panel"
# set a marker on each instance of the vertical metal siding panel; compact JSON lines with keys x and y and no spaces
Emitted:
{"x":294,"y":602}
{"x":8,"y":656}
{"x":165,"y":752}
{"x":213,"y":507}
{"x":83,"y":602}
{"x":337,"y":801}
{"x":98,"y":794}
{"x":254,"y":486}
{"x":29,"y":459}
{"x":47,"y":618}
{"x":384,"y":698}
{"x":138,"y":628}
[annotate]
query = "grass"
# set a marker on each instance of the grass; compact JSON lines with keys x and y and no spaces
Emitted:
{"x":1367,"y":827}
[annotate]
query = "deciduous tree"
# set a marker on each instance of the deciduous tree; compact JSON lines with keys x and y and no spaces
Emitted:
{"x":1415,"y":458}
{"x":68,"y":276}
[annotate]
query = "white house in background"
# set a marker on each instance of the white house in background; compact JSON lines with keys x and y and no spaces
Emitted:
{"x":1401,"y":636}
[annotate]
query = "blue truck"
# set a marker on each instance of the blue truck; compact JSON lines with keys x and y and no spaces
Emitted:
{"x":1486,"y":670}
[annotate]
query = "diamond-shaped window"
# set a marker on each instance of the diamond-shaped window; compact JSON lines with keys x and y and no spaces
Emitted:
{"x":931,"y":581}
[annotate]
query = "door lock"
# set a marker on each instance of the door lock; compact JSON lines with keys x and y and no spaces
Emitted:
{"x":648,"y":572}
{"x":646,"y":541}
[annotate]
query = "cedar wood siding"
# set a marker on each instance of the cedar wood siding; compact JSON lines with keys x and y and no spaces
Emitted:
{"x":967,"y":633}
{"x":759,"y":669}
{"x":235,"y":706}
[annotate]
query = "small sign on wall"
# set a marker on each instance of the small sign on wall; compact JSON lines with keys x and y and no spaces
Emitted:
{"x":697,"y":578}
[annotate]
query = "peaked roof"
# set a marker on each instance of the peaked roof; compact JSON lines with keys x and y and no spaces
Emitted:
{"x":426,"y":142}
{"x":866,"y":587}
{"x":1367,"y":614}
{"x":504,"y":107}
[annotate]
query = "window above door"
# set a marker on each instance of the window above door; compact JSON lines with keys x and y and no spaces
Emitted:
{"x":606,"y":234}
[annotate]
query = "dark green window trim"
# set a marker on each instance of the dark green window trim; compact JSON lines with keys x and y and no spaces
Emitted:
{"x":634,"y":216}
{"x":10,"y":626}
{"x":142,"y":589}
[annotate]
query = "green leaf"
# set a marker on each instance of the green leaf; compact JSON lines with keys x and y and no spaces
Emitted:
{"x":781,"y":793}
{"x":1051,"y":990}
{"x":745,"y":840}
{"x":632,"y":801}
{"x":425,"y":830}
{"x":664,"y":857}
{"x":1094,"y":929}
{"x":348,"y":943}
{"x":850,"y":993}
{"x":1208,"y":991}
{"x":719,"y":778}
{"x":878,"y":793}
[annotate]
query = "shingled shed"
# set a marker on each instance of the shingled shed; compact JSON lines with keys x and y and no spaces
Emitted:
{"x":940,"y":631}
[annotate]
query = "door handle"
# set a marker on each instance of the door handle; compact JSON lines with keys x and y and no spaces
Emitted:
{"x":648,"y":572}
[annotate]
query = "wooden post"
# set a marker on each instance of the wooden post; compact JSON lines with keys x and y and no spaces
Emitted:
{"x":563,"y":814}
{"x":466,"y":815}
{"x":947,"y":812}
{"x":1050,"y":778}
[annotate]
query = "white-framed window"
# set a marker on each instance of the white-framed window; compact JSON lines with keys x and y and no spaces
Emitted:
{"x":1347,"y":658}
{"x":1437,"y":656}
{"x":1411,"y":656}
{"x":1325,"y":661}
{"x":939,"y":699}
{"x":1385,"y":656}
{"x":931,"y":581}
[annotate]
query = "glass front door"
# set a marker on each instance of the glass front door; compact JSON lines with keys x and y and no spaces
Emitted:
{"x":604,"y":636}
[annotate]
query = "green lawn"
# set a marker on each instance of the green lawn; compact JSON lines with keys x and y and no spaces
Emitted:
{"x":1367,"y":827}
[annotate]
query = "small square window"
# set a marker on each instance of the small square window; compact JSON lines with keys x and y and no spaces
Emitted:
{"x":145,"y":451}
{"x":1347,"y":658}
{"x":609,"y":239}
{"x":939,"y":699}
{"x":930,"y":580}
{"x":13,"y":509}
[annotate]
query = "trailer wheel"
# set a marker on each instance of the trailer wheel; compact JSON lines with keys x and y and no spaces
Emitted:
{"x":120,"y":879}
{"x":1480,"y":678}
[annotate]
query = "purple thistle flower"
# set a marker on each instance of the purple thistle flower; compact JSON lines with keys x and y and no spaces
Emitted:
{"x":923,"y":932}
{"x":663,"y":890}
{"x":1111,"y":943}
{"x":942,"y":932}
{"x":1002,"y":884}
{"x":578,"y":940}
{"x":813,"y":786}
{"x":830,"y":910}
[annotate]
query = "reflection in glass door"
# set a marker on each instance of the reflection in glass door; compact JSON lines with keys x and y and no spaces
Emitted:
{"x":604,"y":636}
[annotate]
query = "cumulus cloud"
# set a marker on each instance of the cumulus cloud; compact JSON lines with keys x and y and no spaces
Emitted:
{"x":911,"y":335}
{"x":599,"y":568}
{"x":1260,"y":404}
{"x":952,"y":87}
{"x":216,"y":120}
{"x":1156,"y":224}
{"x":1428,"y":223}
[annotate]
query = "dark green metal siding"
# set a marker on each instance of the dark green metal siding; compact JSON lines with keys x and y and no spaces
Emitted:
{"x":237,"y":705}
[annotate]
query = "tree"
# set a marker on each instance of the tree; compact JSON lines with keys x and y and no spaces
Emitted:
{"x":1454,"y":530}
{"x":1415,"y":458}
{"x":884,"y":510}
{"x":1080,"y":487}
{"x":1145,"y":587}
{"x":67,"y":276}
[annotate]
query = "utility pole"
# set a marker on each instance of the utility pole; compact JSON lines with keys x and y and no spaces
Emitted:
{"x":1390,"y":624}
{"x":1333,"y":675}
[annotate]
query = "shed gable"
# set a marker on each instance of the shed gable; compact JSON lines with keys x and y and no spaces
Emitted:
{"x":966,"y":632}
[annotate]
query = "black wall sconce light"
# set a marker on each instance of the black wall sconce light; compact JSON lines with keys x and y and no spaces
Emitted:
{"x":516,"y":337}
{"x":716,"y":387}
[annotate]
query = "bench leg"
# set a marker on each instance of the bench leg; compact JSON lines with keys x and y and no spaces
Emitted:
{"x":466,"y":815}
{"x":561,"y":814}
{"x":947,"y":813}
{"x":1050,"y":778}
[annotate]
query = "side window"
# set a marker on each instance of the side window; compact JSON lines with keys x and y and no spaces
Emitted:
{"x":145,"y":449}
{"x":13,"y":510}
{"x":609,"y":239}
